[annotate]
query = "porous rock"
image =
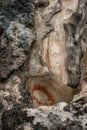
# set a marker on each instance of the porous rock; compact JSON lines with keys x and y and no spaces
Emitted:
{"x":37,"y":38}
{"x":14,"y":48}
{"x":15,"y":38}
{"x":59,"y":116}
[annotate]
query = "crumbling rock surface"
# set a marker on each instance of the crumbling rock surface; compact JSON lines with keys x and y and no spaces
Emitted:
{"x":45,"y":90}
{"x":37,"y":39}
{"x":59,"y":116}
{"x":15,"y":37}
{"x":14,"y":48}
{"x":22,"y":11}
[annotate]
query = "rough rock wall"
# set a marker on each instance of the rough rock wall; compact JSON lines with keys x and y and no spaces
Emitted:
{"x":59,"y":48}
{"x":15,"y":36}
{"x":57,"y":25}
{"x":61,"y":116}
{"x":42,"y":39}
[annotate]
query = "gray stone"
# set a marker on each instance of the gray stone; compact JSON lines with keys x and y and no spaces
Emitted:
{"x":15,"y":48}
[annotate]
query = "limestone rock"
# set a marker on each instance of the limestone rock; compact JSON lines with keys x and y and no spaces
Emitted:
{"x":56,"y":41}
{"x":45,"y":90}
{"x":43,"y":42}
{"x":59,"y":116}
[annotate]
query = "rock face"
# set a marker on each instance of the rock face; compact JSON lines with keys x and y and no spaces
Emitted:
{"x":43,"y":61}
{"x":47,"y":91}
{"x":59,"y":41}
{"x":59,"y":48}
{"x":15,"y":38}
{"x":59,"y":116}
{"x":14,"y":54}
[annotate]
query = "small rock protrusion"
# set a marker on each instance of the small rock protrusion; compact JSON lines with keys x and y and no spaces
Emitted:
{"x":41,"y":3}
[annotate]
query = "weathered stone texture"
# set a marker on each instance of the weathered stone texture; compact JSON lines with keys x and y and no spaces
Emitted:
{"x":43,"y":46}
{"x":45,"y":90}
{"x":58,"y":47}
{"x":59,"y":116}
{"x":14,"y":51}
{"x":15,"y":39}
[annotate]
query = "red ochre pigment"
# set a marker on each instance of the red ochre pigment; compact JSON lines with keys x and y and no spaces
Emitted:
{"x":44,"y":90}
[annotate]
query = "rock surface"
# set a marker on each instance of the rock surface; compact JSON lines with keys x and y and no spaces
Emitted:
{"x":16,"y":39}
{"x":45,"y":90}
{"x":59,"y":116}
{"x":44,"y":42}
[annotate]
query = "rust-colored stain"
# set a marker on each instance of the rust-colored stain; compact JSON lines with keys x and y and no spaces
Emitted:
{"x":47,"y":58}
{"x":56,"y":54}
{"x":44,"y":90}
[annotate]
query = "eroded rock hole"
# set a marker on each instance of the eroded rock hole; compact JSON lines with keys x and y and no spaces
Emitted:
{"x":47,"y":91}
